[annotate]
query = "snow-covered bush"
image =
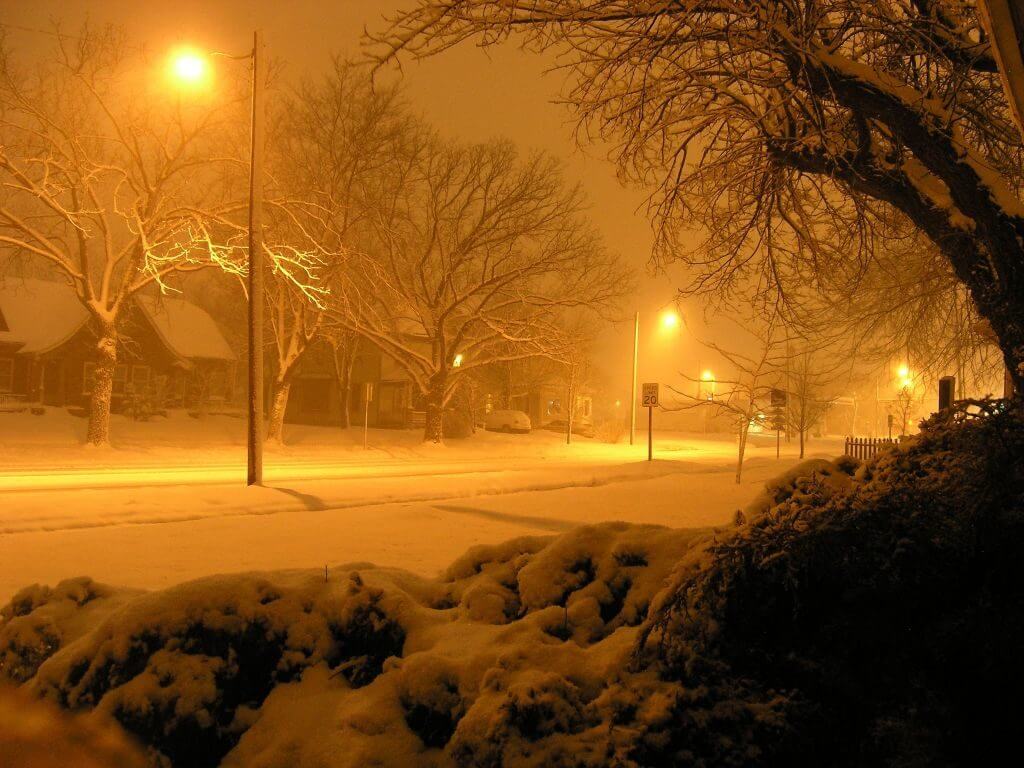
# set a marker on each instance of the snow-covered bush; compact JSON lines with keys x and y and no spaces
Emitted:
{"x":185,"y":670}
{"x":878,"y":609}
{"x":34,"y":625}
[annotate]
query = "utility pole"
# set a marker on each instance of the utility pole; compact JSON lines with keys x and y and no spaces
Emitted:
{"x":632,"y":396}
{"x":255,"y":420}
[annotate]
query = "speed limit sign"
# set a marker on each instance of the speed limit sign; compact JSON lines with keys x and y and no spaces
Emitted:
{"x":649,"y":396}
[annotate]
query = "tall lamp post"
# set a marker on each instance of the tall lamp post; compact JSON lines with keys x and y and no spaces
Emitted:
{"x":191,"y":67}
{"x":254,"y":467}
{"x":632,"y":394}
{"x":669,"y":321}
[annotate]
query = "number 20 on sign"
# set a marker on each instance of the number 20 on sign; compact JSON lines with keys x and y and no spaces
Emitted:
{"x":649,"y":396}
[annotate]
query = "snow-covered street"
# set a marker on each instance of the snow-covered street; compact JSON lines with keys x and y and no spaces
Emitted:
{"x":134,"y":519}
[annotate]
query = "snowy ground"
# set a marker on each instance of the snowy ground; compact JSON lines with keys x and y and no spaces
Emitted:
{"x":166,"y":504}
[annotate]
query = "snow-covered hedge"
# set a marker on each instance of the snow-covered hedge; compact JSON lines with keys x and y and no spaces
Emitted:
{"x":508,"y":654}
{"x":875,"y":612}
{"x":856,"y":614}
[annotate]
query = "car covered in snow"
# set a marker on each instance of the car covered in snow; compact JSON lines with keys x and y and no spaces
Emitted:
{"x":581,"y":426}
{"x":507,"y":421}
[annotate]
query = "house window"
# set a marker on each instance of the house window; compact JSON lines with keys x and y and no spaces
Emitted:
{"x":89,"y":378}
{"x":6,"y":374}
{"x":140,"y":378}
{"x":120,"y":379}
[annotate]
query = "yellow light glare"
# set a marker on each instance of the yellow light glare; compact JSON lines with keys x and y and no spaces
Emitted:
{"x":457,"y":361}
{"x":669,"y":320}
{"x":188,"y":67}
{"x":903,"y":372}
{"x":707,"y":376}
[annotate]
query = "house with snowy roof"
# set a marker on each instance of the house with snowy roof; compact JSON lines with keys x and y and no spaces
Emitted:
{"x":171,"y":350}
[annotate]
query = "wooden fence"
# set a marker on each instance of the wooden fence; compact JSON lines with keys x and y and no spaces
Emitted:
{"x":866,"y":447}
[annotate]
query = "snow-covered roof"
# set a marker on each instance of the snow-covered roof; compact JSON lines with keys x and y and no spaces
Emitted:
{"x":187,"y":330}
{"x":39,"y":314}
{"x":43,"y":314}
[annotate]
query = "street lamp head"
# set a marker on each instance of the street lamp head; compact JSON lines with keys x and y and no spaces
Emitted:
{"x":669,"y":320}
{"x":189,"y":67}
{"x":707,"y":376}
{"x":903,"y":372}
{"x":457,"y":361}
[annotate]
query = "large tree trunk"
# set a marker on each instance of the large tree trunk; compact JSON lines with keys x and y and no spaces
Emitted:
{"x":98,"y":432}
{"x":433,"y":428}
{"x":278,"y":407}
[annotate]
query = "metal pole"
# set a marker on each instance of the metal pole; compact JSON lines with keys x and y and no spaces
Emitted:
{"x":255,"y":421}
{"x":632,"y":396}
{"x":650,"y":433}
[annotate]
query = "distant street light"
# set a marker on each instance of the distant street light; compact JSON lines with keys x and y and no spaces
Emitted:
{"x":670,"y":320}
{"x":709,"y":378}
{"x":457,"y":361}
{"x":190,"y":68}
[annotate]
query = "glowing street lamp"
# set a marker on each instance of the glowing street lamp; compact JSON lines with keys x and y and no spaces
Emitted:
{"x":905,"y":379}
{"x":190,"y":68}
{"x":457,"y":361}
{"x":709,"y":378}
{"x":669,"y":320}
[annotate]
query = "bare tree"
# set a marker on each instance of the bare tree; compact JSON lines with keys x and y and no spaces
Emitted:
{"x":803,"y":135}
{"x":575,"y":356}
{"x":333,"y":138}
{"x":753,"y":376}
{"x":809,"y":375}
{"x":472,"y":260}
{"x":113,"y":194}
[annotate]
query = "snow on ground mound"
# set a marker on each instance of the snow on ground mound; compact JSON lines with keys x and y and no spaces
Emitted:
{"x":514,"y":656}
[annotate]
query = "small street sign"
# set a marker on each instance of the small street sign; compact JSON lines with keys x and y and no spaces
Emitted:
{"x":649,"y":400}
{"x":649,"y":396}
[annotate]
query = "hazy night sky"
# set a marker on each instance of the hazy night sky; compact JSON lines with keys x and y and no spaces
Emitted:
{"x":467,"y":93}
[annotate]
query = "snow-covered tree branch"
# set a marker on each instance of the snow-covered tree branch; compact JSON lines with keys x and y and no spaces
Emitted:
{"x":800,"y":136}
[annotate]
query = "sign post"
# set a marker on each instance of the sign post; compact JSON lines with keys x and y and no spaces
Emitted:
{"x":649,"y":400}
{"x":366,"y":413}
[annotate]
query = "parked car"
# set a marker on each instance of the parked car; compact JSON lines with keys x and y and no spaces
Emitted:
{"x":508,"y":421}
{"x":581,"y":426}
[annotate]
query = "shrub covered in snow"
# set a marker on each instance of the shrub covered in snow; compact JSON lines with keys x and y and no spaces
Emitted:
{"x":876,"y":611}
{"x":856,"y":614}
